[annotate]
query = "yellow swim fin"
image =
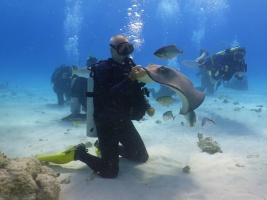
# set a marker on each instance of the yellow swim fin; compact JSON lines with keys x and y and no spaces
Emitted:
{"x":97,"y":150}
{"x":61,"y":158}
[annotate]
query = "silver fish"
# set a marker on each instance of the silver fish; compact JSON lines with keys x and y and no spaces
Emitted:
{"x":168,"y":52}
{"x":191,"y":118}
{"x":165,"y":100}
{"x":205,"y":121}
{"x":168,"y":115}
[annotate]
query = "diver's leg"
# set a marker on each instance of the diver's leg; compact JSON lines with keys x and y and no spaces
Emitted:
{"x":59,"y":93}
{"x":204,"y":81}
{"x":75,"y":106}
{"x":108,"y":165}
{"x":210,"y":88}
{"x":83,"y":91}
{"x":75,"y":102}
{"x":67,"y":93}
{"x":203,"y":54}
{"x":60,"y":98}
{"x":210,"y":83}
{"x":133,"y":147}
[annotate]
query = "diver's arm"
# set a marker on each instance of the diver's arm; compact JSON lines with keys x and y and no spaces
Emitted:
{"x":136,"y":72}
{"x":239,"y":75}
{"x":105,"y":80}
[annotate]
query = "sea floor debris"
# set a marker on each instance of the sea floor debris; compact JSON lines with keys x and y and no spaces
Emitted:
{"x":208,"y":145}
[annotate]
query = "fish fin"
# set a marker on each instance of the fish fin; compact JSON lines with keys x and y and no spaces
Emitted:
{"x":73,"y":71}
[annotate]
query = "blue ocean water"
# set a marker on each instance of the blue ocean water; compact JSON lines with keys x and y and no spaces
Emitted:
{"x":38,"y":36}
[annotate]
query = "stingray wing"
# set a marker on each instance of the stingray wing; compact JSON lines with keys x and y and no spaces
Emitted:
{"x":178,"y":82}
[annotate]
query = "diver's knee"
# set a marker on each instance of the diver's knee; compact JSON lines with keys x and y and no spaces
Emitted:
{"x":143,"y":158}
{"x":146,"y":157}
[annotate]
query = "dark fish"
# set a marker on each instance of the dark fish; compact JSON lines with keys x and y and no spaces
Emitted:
{"x":165,"y":100}
{"x":168,"y":115}
{"x":168,"y":52}
{"x":206,"y":121}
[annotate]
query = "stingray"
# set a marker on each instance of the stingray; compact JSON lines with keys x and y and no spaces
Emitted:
{"x":179,"y":83}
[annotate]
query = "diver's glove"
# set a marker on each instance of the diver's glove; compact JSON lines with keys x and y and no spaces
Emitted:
{"x":137,"y":72}
{"x":150,"y":111}
{"x":238,"y":77}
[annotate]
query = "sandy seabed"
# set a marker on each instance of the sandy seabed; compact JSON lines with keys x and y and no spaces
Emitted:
{"x":30,"y":124}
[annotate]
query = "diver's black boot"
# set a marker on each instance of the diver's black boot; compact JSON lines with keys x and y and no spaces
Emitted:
{"x":80,"y":150}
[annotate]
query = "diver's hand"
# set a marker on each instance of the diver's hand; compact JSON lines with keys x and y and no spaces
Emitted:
{"x":239,"y":74}
{"x":137,"y":72}
{"x":150,"y":111}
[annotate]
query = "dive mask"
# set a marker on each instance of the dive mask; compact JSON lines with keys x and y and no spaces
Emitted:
{"x":124,"y":48}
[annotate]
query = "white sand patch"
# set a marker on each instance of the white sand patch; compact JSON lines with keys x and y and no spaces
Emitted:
{"x":30,"y":124}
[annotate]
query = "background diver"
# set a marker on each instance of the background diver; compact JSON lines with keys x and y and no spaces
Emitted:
{"x":78,"y":91}
{"x":61,"y":80}
{"x":222,"y":66}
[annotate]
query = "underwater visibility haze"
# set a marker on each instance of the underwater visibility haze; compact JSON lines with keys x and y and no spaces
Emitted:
{"x":37,"y":36}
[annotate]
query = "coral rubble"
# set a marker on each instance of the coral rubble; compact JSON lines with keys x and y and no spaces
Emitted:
{"x":208,"y":144}
{"x":27,"y":179}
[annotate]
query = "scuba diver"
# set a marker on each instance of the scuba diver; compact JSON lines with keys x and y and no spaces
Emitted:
{"x":117,"y":99}
{"x":221,"y":67}
{"x":78,"y":92}
{"x":61,"y":78}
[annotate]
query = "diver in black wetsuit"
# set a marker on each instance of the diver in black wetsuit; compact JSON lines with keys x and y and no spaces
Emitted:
{"x":221,"y":67}
{"x":118,"y":99}
{"x":78,"y":95}
{"x":61,"y":78}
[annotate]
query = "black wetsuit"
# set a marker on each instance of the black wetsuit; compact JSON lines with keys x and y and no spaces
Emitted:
{"x":216,"y":65}
{"x":79,"y":89}
{"x":114,"y":94}
{"x":61,"y":78}
{"x":79,"y":85}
